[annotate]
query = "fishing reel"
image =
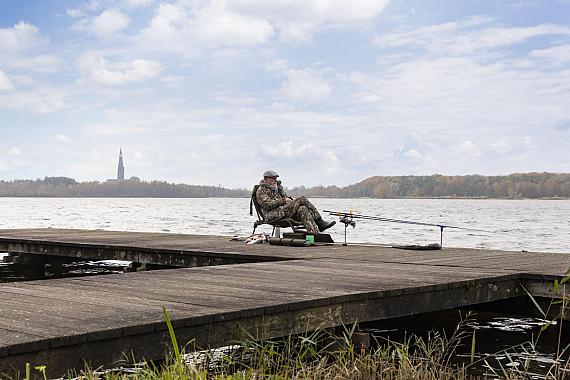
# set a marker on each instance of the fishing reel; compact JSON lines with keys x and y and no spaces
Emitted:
{"x":348,"y":221}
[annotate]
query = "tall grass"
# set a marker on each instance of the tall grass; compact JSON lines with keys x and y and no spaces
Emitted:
{"x":321,"y":354}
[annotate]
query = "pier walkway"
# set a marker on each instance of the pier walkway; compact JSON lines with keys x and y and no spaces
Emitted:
{"x":269,"y":291}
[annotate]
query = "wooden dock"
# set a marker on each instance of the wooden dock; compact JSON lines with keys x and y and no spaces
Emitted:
{"x":268,"y":291}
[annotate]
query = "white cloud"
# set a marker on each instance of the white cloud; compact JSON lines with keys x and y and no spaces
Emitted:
{"x":158,"y":118}
{"x":110,"y":22}
{"x":14,"y":151}
{"x":173,"y":81}
{"x":279,"y":65}
{"x":216,"y":24}
{"x":37,"y":100}
{"x":212,"y":25}
{"x":137,"y":3}
{"x":18,"y":38}
{"x":5,"y":82}
{"x":105,"y":25}
{"x":305,"y":85}
{"x":241,"y":101}
{"x":3,"y":165}
{"x":445,"y":93}
{"x":225,"y":23}
{"x":559,"y":55}
{"x":298,"y":20}
{"x":62,"y":139}
{"x":511,"y":145}
{"x":75,"y":13}
{"x":412,"y":153}
{"x":167,"y":25}
{"x":96,"y":68}
{"x":43,"y":63}
{"x":289,"y":149}
{"x":465,"y":37}
{"x":467,"y":149}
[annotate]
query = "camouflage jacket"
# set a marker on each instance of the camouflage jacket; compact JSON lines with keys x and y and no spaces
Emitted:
{"x":271,"y":200}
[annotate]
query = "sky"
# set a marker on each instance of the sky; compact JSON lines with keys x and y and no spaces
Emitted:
{"x":322,"y":91}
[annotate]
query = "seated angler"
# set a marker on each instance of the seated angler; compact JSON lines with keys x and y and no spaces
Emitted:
{"x":275,"y":204}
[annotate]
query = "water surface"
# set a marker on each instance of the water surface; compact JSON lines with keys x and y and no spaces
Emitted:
{"x":531,"y":225}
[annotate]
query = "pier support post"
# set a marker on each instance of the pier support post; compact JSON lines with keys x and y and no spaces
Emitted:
{"x":361,"y":340}
{"x":133,"y":267}
{"x":36,"y":264}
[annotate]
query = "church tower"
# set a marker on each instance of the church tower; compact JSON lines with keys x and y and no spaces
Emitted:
{"x":121,"y":169}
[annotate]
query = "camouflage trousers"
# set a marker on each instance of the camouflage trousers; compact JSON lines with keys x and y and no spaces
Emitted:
{"x":301,"y":210}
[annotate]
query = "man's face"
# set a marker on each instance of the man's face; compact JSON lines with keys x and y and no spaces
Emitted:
{"x":271,"y":180}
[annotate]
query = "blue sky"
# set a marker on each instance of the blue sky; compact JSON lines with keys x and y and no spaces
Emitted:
{"x":323,"y":91}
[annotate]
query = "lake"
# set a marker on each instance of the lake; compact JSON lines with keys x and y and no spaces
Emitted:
{"x":531,"y":225}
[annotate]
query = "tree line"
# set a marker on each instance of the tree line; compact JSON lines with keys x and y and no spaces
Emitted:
{"x":512,"y":186}
{"x":133,"y":187}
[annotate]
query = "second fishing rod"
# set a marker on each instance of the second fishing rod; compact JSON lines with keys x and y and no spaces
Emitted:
{"x":347,"y":219}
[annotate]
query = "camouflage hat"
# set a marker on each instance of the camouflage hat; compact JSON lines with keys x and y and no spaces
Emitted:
{"x":271,"y":173}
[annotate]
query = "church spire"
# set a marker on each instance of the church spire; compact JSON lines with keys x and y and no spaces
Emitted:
{"x":121,"y":169}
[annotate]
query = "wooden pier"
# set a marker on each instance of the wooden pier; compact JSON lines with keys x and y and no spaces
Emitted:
{"x":268,"y":291}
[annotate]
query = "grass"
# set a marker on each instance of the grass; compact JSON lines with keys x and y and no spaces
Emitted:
{"x":321,"y":354}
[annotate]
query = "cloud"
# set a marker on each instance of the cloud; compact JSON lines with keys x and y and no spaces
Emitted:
{"x":37,"y":100}
{"x":159,"y":118}
{"x":211,"y":25}
{"x":523,"y":4}
{"x":75,"y":13}
{"x":105,"y":25}
{"x":14,"y":151}
{"x":235,"y":100}
{"x":18,"y":38}
{"x":110,"y":22}
{"x":468,"y":150}
{"x":216,"y":24}
{"x":97,"y":69}
{"x":300,"y":154}
{"x":137,"y":3}
{"x":43,"y":63}
{"x":305,"y":85}
{"x":62,"y":139}
{"x":412,"y":153}
{"x":279,"y":65}
{"x":19,"y":46}
{"x":289,"y":149}
{"x":299,"y":20}
{"x":557,"y":55}
{"x":468,"y":36}
{"x":5,"y":82}
{"x":194,"y":25}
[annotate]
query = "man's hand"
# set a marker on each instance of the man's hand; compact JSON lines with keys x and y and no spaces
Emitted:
{"x":288,"y":199}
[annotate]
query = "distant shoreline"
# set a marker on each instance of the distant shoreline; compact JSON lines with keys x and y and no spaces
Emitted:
{"x":312,"y":196}
{"x":513,"y":186}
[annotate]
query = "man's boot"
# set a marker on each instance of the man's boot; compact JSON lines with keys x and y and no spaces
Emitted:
{"x":323,"y":225}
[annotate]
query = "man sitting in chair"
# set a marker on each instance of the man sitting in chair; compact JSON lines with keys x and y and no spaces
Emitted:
{"x":275,"y":204}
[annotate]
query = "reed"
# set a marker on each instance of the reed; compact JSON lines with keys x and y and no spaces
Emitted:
{"x":321,"y":354}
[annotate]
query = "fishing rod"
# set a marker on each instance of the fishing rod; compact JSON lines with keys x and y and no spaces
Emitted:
{"x":347,"y":219}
